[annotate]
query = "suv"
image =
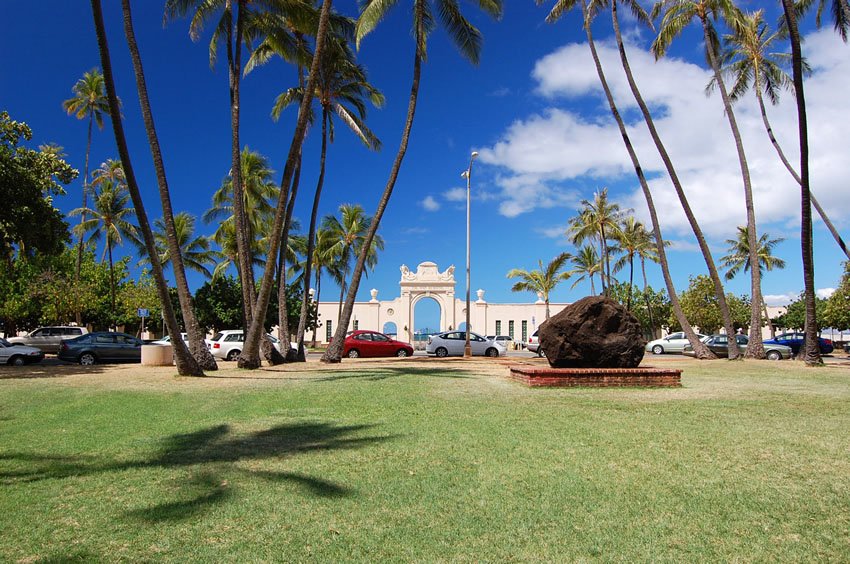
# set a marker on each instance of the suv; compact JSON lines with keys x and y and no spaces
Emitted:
{"x":48,"y":338}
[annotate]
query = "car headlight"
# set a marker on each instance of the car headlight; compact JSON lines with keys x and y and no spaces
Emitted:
{"x":34,"y":353}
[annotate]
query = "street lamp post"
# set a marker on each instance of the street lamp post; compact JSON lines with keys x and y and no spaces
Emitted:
{"x":467,"y":349}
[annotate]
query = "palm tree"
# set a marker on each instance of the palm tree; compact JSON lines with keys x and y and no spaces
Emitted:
{"x":560,"y":8}
{"x":586,"y":266}
{"x":341,"y":89}
{"x":633,"y":239}
{"x":677,"y":15}
{"x":751,"y":63}
{"x":230,"y":27}
{"x":738,"y":259}
{"x":468,"y":39}
{"x":89,"y":101}
{"x":841,"y":21}
{"x":323,"y":260}
{"x":173,"y":236}
{"x":598,"y":220}
{"x":349,"y":235}
{"x":249,"y":358}
{"x":109,"y":219}
{"x":195,"y":252}
{"x":259,"y":191}
{"x":186,"y":364}
{"x":543,"y":280}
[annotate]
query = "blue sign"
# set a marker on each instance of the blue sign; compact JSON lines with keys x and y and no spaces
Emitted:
{"x":143,"y":312}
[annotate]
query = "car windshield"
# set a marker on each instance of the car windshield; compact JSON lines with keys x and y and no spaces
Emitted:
{"x":4,"y":342}
{"x":217,"y":337}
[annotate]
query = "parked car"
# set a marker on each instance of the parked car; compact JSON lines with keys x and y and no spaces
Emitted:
{"x":101,"y":346}
{"x":18,"y":355}
{"x":374,"y":344}
{"x":534,"y":344}
{"x":719,"y":345}
{"x":452,"y":343}
{"x":167,"y":339}
{"x":228,"y":344}
{"x":795,"y":341}
{"x":506,"y":340}
{"x":672,"y":343}
{"x":48,"y":338}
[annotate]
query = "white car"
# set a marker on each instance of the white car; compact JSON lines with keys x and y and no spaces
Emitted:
{"x":534,"y":344}
{"x":18,"y":355}
{"x":452,"y":343}
{"x":672,"y":343}
{"x":167,"y":339}
{"x":228,"y":344}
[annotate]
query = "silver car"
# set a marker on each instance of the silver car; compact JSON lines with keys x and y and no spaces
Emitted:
{"x":452,"y":343}
{"x":672,"y":343}
{"x":48,"y":338}
{"x":18,"y":355}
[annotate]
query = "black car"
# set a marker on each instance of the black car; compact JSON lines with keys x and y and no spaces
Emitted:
{"x":101,"y":347}
{"x":796,"y":340}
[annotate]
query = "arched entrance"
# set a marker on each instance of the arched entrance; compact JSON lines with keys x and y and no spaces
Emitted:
{"x":425,"y":318}
{"x":390,"y":328}
{"x":429,"y":284}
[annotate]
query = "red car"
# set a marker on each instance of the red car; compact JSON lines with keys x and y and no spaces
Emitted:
{"x":371,"y":343}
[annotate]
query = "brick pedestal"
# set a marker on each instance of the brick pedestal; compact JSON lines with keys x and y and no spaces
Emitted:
{"x":597,"y":377}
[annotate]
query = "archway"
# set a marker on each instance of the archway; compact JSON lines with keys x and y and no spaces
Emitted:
{"x":425,"y":317}
{"x":390,"y":328}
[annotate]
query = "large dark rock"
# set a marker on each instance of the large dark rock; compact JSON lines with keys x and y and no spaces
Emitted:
{"x":594,"y":332}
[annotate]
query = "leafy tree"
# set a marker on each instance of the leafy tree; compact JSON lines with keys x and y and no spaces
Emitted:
{"x":134,"y":295}
{"x":699,"y":304}
{"x":649,"y":306}
{"x":542,"y":280}
{"x":218,"y":303}
{"x":29,"y":180}
{"x":836,"y":313}
{"x":598,"y":220}
{"x":794,"y":317}
{"x":195,"y":251}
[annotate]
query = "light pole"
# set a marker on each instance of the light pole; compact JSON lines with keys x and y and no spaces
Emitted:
{"x":467,"y":349}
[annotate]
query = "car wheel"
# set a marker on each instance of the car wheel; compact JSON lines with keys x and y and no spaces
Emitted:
{"x":353,"y":353}
{"x":402,"y":353}
{"x":233,"y":355}
{"x":657,"y":349}
{"x":87,"y":359}
{"x":441,"y":352}
{"x":17,"y":361}
{"x":492,"y":352}
{"x":539,"y":351}
{"x":774,"y":355}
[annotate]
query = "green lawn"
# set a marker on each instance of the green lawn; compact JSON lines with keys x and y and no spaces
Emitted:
{"x":424,"y":461}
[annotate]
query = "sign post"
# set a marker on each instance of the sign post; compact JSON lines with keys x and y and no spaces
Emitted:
{"x":143,"y":313}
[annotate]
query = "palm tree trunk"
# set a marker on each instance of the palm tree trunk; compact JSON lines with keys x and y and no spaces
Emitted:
{"x":243,"y":243}
{"x":77,"y":313}
{"x":318,"y":290}
{"x":646,"y":297}
{"x":700,"y":349}
{"x":755,"y":348}
{"x":186,"y":365}
{"x":603,"y":275}
{"x":829,"y":225}
{"x":334,"y":350}
{"x":249,"y":358}
{"x":631,"y":280}
{"x":592,"y":286}
{"x":197,"y":346}
{"x":311,"y":239}
{"x":547,"y":308}
{"x":345,"y":261}
{"x":769,"y":320}
{"x":810,"y":352}
{"x":111,"y":278}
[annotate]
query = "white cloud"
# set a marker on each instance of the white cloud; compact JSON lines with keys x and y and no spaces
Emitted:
{"x":780,"y":299}
{"x":455,"y":195}
{"x":415,"y":231}
{"x":430,"y":204}
{"x":824,"y":292}
{"x":557,"y":232}
{"x":544,"y":156}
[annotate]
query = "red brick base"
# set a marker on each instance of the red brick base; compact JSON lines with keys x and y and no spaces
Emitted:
{"x":597,"y":377}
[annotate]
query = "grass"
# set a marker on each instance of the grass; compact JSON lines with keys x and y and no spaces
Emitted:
{"x":425,"y":461}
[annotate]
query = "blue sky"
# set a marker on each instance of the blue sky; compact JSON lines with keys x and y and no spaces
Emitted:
{"x":532,"y":108}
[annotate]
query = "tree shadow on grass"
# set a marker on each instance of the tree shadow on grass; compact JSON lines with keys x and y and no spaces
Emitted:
{"x":374,"y":375}
{"x":215,"y":449}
